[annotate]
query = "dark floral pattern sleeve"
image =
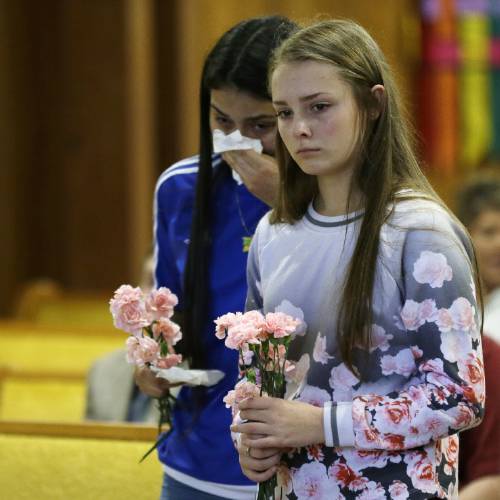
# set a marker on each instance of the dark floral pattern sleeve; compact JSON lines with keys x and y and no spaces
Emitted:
{"x":443,"y":352}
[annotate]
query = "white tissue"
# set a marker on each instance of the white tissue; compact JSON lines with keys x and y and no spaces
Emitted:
{"x":177,"y":374}
{"x":235,"y":141}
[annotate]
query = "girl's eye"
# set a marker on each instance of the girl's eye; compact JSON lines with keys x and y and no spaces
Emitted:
{"x":264,"y":126}
{"x":283,"y":113}
{"x":222,"y":120}
{"x":320,"y":106}
{"x":489,"y":232}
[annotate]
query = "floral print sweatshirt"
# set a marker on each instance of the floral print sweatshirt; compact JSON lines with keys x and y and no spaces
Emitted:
{"x":392,"y":434}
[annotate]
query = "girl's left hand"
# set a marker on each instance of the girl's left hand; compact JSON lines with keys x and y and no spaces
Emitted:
{"x":259,"y":173}
{"x":280,"y":423}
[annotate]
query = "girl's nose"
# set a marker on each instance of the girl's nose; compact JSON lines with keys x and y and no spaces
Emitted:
{"x":302,"y":128}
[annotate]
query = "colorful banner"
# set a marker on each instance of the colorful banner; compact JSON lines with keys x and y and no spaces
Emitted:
{"x":459,"y":99}
{"x":438,"y":84}
{"x":474,"y":90}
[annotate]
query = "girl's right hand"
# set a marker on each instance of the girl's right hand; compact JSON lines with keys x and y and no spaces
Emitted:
{"x":258,"y":464}
{"x":150,"y":384}
{"x":259,"y":173}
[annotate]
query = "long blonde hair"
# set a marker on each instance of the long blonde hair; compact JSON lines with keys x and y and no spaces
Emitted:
{"x":387,"y":162}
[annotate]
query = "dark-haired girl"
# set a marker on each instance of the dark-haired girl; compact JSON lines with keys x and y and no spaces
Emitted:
{"x":204,"y":220}
{"x":386,"y":280}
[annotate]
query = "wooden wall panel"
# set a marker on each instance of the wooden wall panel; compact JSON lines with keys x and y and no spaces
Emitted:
{"x":168,"y":107}
{"x":92,"y":143}
{"x":78,"y":142}
{"x":43,"y":223}
{"x":16,"y":138}
{"x":141,"y":149}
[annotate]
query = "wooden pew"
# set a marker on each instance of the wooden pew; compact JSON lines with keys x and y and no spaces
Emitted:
{"x":77,"y":462}
{"x":53,"y":396}
{"x":43,"y":369}
{"x":45,"y":302}
{"x":31,"y":346}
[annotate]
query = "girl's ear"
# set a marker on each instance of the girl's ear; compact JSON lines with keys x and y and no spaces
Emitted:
{"x":378,"y":92}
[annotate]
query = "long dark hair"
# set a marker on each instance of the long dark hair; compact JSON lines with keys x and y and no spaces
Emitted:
{"x":239,"y":59}
{"x":387,"y":162}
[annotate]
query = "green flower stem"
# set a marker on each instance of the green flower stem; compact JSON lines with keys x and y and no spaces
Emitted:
{"x":273,"y":383}
{"x":165,"y":405}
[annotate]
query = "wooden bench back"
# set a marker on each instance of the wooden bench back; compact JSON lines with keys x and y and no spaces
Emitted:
{"x":77,"y":461}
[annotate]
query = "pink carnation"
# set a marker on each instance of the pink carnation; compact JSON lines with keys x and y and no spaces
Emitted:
{"x":254,"y":317}
{"x":241,"y":329}
{"x":160,"y":303}
{"x":168,"y":330}
{"x":142,"y":350}
{"x":242,"y":390}
{"x":169,"y":361}
{"x":242,"y":333}
{"x":223,"y":323}
{"x":128,"y":309}
{"x":280,"y":324}
{"x":133,"y":347}
{"x":228,"y":399}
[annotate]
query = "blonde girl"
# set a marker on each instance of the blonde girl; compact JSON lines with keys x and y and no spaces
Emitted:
{"x":384,"y":276}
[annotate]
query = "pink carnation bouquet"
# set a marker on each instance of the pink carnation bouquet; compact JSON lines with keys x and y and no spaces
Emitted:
{"x":153,"y":335}
{"x":262,"y":342}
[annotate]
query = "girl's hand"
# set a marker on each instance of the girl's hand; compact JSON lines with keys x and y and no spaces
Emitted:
{"x":150,"y":384}
{"x":258,"y":464}
{"x":279,"y":423}
{"x":259,"y":172}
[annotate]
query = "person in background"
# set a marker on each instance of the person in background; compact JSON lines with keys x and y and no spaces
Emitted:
{"x":112,"y":394}
{"x":203,"y":220}
{"x":478,"y":207}
{"x":385,"y":278}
